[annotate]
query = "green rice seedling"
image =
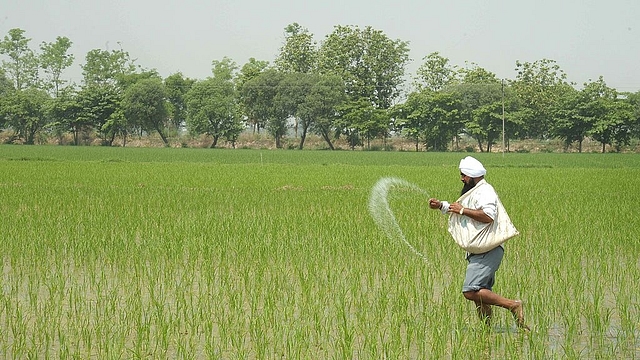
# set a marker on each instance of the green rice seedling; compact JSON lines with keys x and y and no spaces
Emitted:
{"x":119,"y":253}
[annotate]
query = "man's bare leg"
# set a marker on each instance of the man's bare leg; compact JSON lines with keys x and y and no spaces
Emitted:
{"x":484,"y":312}
{"x":487,"y":297}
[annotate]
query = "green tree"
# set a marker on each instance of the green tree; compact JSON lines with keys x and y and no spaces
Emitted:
{"x":572,"y":121}
{"x":177,"y":87}
{"x":361,"y":119}
{"x":318,"y":111}
{"x":347,"y":123}
{"x":446,"y":120}
{"x":5,"y":84}
{"x":260,"y":100}
{"x":474,"y":74}
{"x":435,"y":73}
{"x":411,"y":127}
{"x":212,"y":104}
{"x":105,"y":67}
{"x":144,"y":103}
{"x":54,"y":59}
{"x":486,"y":125}
{"x":633,"y":99}
{"x":614,"y":128}
{"x":126,"y":80}
{"x":25,"y":112}
{"x":249,"y":71}
{"x":371,"y":65}
{"x":298,"y":55}
{"x":116,"y":125}
{"x":22,"y":66}
{"x":538,"y":86}
{"x":224,"y":69}
{"x":100,"y":108}
{"x":299,"y":52}
{"x":481,"y":95}
{"x":65,"y":113}
{"x":612,"y":117}
{"x":430,"y":117}
{"x":5,"y":88}
{"x":291,"y":93}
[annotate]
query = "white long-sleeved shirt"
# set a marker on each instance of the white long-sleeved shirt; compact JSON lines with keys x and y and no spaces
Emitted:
{"x":484,"y":198}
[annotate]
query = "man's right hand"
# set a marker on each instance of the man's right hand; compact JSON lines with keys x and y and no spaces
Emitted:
{"x":434,"y":203}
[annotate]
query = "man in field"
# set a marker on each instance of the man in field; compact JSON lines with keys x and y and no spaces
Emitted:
{"x":478,"y":209}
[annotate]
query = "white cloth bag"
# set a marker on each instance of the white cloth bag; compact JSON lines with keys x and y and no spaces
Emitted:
{"x":476,"y":237}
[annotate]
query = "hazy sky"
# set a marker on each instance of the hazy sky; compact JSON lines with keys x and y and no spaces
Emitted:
{"x":587,"y":38}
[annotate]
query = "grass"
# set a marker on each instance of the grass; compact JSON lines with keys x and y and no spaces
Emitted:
{"x":196,"y":253}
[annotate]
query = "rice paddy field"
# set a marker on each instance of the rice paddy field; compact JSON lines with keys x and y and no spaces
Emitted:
{"x":121,"y":253}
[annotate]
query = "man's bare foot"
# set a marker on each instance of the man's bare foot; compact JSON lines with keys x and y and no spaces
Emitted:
{"x":518,"y":313}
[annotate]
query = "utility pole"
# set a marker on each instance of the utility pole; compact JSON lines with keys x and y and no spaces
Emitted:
{"x":503,"y":144}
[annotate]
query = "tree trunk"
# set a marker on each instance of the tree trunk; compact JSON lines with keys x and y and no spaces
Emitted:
{"x":31,"y":137}
{"x":164,"y":138}
{"x":75,"y":136}
{"x":325,"y":136}
{"x":215,"y":142}
{"x":303,"y":136}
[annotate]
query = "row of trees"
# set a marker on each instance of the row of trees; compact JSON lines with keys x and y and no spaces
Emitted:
{"x":351,"y":85}
{"x":538,"y":104}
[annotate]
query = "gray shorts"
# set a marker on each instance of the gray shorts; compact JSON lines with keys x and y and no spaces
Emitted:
{"x":481,"y":270}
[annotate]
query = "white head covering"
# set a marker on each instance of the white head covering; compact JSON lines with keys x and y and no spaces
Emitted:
{"x":472,"y":167}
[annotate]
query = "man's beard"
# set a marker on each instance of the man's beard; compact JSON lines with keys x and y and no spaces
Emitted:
{"x":468,"y":186}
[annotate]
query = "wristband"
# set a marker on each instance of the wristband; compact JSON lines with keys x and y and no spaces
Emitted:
{"x":461,"y":211}
{"x":444,"y":209}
